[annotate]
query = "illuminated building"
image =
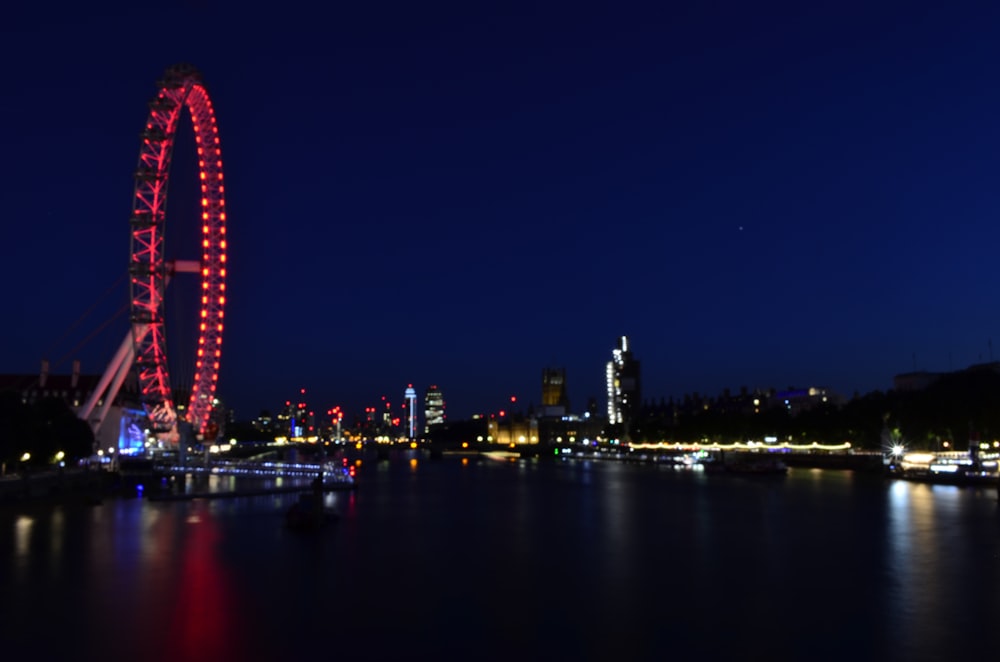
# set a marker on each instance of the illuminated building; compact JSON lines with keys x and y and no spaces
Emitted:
{"x":264,"y":423}
{"x":795,"y":401}
{"x":411,"y":405}
{"x":433,"y":408}
{"x":554,"y":399}
{"x":623,"y":385}
{"x":75,"y":389}
{"x":296,"y":421}
{"x":508,"y":431}
{"x":385,"y":427}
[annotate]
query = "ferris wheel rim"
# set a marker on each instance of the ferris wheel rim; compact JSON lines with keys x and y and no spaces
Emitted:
{"x":181,"y":88}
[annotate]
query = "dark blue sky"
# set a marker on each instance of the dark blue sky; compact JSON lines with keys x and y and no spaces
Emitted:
{"x":760,"y":194}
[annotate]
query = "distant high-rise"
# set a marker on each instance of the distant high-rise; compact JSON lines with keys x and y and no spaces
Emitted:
{"x":411,"y":405}
{"x":623,"y":384}
{"x":554,"y":399}
{"x":433,"y":408}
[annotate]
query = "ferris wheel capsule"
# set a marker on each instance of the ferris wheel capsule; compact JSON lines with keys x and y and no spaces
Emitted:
{"x":181,"y":87}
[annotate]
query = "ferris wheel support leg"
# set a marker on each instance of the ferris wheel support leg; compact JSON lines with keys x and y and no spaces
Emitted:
{"x":116,"y":385}
{"x":124,"y":355}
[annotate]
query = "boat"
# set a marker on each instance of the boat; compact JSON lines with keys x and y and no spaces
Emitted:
{"x":944,"y":468}
{"x":757,"y":464}
{"x":309,"y":513}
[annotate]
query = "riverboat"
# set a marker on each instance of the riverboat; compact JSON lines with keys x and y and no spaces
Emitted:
{"x":309,"y":513}
{"x":760,"y":464}
{"x":946,"y":468}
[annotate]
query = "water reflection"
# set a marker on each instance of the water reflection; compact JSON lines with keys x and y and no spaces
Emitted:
{"x":920,"y":520}
{"x":166,"y":563}
{"x":202,"y":604}
{"x":595,"y":560}
{"x":22,"y":536}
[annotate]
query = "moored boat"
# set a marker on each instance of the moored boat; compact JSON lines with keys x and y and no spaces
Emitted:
{"x":746,"y":463}
{"x":308,"y":513}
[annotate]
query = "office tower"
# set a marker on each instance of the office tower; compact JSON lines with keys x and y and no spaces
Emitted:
{"x":433,"y":408}
{"x":623,"y":384}
{"x":411,"y":405}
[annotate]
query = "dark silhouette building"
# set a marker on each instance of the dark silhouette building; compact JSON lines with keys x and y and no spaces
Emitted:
{"x":624,"y":387}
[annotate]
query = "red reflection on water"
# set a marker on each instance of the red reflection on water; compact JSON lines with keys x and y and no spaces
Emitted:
{"x":204,"y":611}
{"x":352,"y":504}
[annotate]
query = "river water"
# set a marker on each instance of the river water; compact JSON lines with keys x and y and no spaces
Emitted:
{"x":481,"y":559}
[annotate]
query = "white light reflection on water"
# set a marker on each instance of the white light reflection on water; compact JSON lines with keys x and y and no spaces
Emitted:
{"x":926,"y":565}
{"x":612,"y":561}
{"x":22,"y":537}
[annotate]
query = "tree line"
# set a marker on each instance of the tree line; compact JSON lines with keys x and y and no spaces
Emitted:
{"x":41,"y":429}
{"x":955,"y":408}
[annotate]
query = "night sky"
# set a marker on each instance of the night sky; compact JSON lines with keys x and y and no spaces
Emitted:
{"x":758,"y":194}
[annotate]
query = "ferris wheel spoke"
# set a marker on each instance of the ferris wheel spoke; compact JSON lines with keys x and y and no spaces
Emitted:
{"x":181,"y":87}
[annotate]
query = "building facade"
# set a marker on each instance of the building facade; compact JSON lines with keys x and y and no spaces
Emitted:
{"x":555,"y":402}
{"x":623,"y":384}
{"x":125,"y":423}
{"x":433,"y":408}
{"x":510,"y":431}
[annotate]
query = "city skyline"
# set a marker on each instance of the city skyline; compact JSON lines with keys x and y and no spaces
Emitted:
{"x":762,"y":196}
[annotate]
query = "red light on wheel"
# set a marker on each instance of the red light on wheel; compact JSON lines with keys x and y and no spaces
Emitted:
{"x":185,"y":91}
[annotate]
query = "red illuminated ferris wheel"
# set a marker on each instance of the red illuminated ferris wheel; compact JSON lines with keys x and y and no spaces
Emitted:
{"x":150,"y":271}
{"x":181,"y":87}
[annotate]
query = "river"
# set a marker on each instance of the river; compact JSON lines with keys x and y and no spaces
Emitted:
{"x":480,"y":559}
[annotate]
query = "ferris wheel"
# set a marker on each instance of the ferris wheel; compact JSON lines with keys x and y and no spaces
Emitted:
{"x":150,"y":271}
